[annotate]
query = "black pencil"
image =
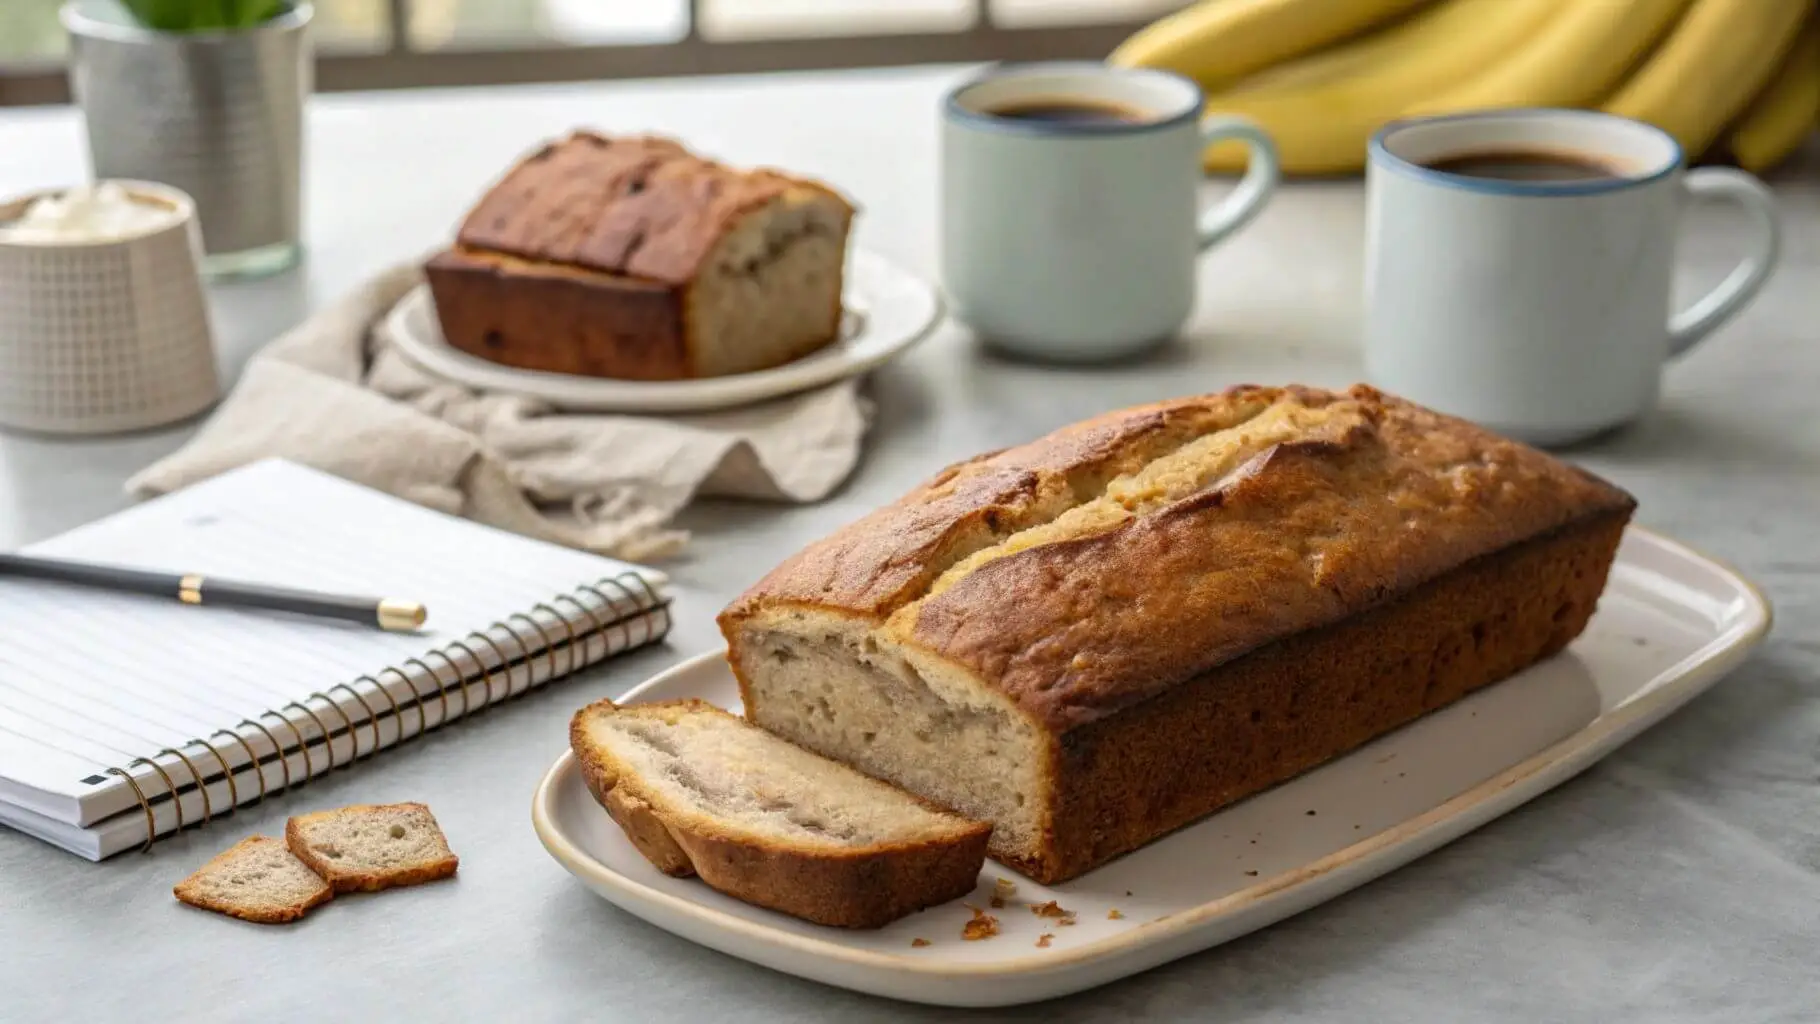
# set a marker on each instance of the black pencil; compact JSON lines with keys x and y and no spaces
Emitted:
{"x":383,"y":612}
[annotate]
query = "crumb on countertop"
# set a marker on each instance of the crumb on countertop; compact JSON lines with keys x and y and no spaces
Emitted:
{"x":1127,"y":892}
{"x":919,"y":942}
{"x":983,"y":925}
{"x":1043,"y":940}
{"x":1114,"y":915}
{"x":1253,"y":872}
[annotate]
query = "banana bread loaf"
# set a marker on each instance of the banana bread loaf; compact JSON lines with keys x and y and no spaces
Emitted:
{"x":1098,"y":637}
{"x":632,"y":258}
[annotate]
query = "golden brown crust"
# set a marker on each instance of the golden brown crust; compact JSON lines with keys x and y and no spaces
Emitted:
{"x":870,"y":890}
{"x":866,"y":887}
{"x":1290,"y":706}
{"x":642,"y":207}
{"x":629,"y":811}
{"x":1374,"y":498}
{"x":890,"y":557}
{"x":246,"y":912}
{"x":347,"y":878}
{"x":507,"y":310}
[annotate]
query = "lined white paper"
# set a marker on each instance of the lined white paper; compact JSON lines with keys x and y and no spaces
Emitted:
{"x":92,"y":680}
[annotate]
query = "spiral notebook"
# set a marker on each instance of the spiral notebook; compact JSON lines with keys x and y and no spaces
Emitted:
{"x":125,"y":718}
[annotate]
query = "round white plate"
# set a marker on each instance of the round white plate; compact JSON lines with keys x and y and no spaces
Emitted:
{"x":888,"y":309}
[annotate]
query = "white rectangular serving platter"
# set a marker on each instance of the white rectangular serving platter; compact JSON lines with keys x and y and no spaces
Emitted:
{"x":1671,"y":623}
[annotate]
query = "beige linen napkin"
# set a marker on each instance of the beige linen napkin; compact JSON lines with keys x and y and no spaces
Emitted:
{"x":335,"y":395}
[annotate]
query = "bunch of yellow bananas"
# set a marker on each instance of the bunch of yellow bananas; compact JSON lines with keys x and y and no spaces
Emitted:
{"x":1322,"y":75}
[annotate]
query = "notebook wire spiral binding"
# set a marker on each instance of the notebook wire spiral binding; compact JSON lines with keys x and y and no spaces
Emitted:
{"x":631,"y":600}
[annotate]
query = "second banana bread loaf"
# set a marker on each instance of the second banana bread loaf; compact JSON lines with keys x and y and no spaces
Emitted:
{"x":1105,"y":634}
{"x":634,"y":258}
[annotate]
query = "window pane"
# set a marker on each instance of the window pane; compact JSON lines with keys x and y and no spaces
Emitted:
{"x":29,"y":29}
{"x":343,"y":25}
{"x":795,"y":19}
{"x":492,"y":24}
{"x":1030,"y":13}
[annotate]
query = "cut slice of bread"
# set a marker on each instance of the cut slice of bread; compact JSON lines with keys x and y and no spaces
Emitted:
{"x":700,"y":791}
{"x":256,"y":879}
{"x":369,"y":847}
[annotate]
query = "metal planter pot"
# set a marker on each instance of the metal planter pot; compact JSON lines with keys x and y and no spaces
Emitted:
{"x":218,"y":115}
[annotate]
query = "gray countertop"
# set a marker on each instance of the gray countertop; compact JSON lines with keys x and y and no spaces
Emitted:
{"x":1677,"y":881}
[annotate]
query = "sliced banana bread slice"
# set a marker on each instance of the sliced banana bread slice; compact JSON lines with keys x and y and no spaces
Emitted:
{"x":700,"y":791}
{"x":367,"y":847}
{"x":256,"y":879}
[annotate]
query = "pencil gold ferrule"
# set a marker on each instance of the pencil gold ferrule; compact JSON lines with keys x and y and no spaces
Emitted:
{"x":189,"y":590}
{"x":400,"y":616}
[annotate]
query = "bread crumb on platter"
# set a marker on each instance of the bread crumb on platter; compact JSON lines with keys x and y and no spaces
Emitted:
{"x":1002,"y":890}
{"x":918,"y":943}
{"x":1043,"y":940}
{"x":1114,"y":915}
{"x":983,"y":925}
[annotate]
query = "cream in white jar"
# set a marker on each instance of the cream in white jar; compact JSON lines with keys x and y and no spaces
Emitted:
{"x":106,"y":212}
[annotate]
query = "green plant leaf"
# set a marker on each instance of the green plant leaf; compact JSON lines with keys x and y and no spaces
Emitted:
{"x":253,"y":12}
{"x":204,"y":15}
{"x":163,"y":15}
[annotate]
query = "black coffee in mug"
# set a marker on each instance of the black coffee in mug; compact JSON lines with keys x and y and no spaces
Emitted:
{"x":1525,"y":165}
{"x":1062,"y":110}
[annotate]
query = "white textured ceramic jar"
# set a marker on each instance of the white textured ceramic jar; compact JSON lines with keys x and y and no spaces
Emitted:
{"x":1540,"y":309}
{"x":105,"y":334}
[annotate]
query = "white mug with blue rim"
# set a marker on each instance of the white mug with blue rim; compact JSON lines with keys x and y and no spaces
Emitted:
{"x":1539,"y":308}
{"x":1069,"y":228}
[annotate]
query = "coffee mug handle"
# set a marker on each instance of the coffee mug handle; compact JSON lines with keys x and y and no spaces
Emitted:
{"x":1254,"y":189}
{"x":1690,"y":326}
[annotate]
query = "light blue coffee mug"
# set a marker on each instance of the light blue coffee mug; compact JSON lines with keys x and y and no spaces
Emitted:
{"x":1076,"y":240}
